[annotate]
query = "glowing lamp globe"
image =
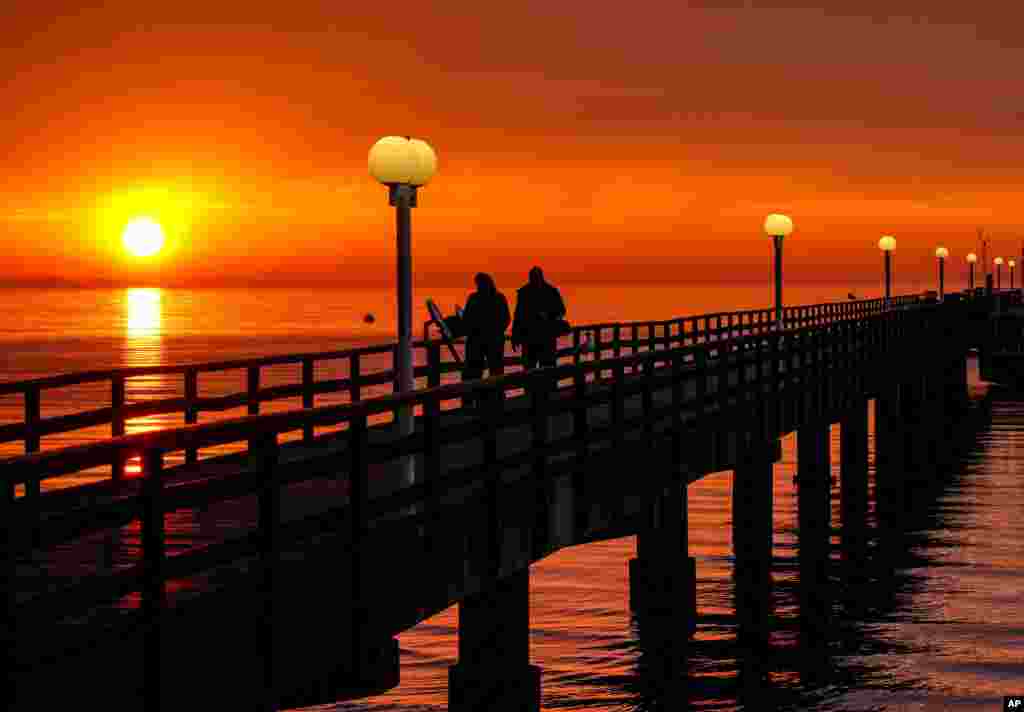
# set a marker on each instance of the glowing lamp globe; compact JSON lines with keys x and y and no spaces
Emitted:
{"x":887,"y":243}
{"x":395,"y":160}
{"x":998,"y":260}
{"x":776,"y":225}
{"x":1011,"y":264}
{"x":942,"y":253}
{"x":972,"y":258}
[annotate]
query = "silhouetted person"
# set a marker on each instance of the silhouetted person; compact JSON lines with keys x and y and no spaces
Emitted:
{"x":539,"y":306}
{"x":484,"y":321}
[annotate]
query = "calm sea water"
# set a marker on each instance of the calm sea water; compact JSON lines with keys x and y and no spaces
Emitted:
{"x":938,"y":625}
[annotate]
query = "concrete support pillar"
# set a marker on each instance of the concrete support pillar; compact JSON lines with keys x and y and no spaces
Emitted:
{"x":956,"y":380}
{"x":752,"y":513}
{"x":662,"y":577}
{"x":937,"y":410}
{"x":853,"y":445}
{"x":813,"y":453}
{"x":752,"y":544}
{"x":494,"y":670}
{"x":888,"y":443}
{"x":917,"y":427}
{"x":853,"y":458}
{"x":814,"y":526}
{"x":661,"y":663}
{"x":954,"y":400}
{"x":372,"y":669}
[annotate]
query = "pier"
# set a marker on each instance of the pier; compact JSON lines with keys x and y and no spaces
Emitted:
{"x":329,"y":553}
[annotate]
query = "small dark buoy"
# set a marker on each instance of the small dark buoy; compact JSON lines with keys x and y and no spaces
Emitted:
{"x":369,"y":318}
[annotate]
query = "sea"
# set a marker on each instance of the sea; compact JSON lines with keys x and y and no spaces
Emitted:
{"x":939,"y":625}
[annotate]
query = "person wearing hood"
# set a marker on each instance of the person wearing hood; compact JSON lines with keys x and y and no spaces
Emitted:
{"x":484,"y":321}
{"x":539,"y":308}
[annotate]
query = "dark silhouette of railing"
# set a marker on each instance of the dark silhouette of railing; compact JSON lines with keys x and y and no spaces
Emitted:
{"x":608,"y":339}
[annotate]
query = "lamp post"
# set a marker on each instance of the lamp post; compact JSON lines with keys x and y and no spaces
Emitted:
{"x":971,"y":260}
{"x":777,"y":227}
{"x":887,"y":244}
{"x":942,"y":253}
{"x":403,"y":164}
{"x":1011,"y":264}
{"x":999,"y":272}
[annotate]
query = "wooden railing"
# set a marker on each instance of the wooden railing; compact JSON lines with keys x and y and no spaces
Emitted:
{"x":765,"y":366}
{"x":609,"y":339}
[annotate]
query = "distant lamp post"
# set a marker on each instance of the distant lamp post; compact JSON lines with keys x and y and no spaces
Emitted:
{"x":403,"y":164}
{"x":942,"y":253}
{"x":887,"y":244}
{"x":1011,"y":264}
{"x":777,"y":226}
{"x":971,"y":260}
{"x":999,"y":272}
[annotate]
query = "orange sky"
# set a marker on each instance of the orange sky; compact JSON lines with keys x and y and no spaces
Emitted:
{"x":625,"y":141}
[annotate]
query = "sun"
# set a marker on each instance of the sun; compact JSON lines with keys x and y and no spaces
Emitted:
{"x":143,"y":237}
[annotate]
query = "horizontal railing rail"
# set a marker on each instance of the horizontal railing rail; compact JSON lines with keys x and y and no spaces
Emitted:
{"x":606,"y":338}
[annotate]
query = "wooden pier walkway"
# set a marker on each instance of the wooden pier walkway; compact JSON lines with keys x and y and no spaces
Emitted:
{"x":278,"y":576}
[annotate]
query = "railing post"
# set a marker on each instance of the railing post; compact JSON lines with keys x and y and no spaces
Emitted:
{"x":493,"y":401}
{"x":358,"y":474}
{"x":432,"y":471}
{"x":117,"y":422}
{"x":744,"y":396}
{"x":191,"y":410}
{"x":634,"y":343}
{"x":581,"y":429}
{"x":540,"y":540}
{"x":307,"y":394}
{"x":794,"y":350}
{"x":827,"y":366}
{"x":700,"y":361}
{"x":8,"y":576}
{"x":777,"y":384}
{"x":154,"y":597}
{"x":618,"y":405}
{"x":434,"y":363}
{"x":647,"y":396}
{"x":722,"y":392}
{"x":264,"y":450}
{"x":254,"y":390}
{"x":815,"y":373}
{"x":396,"y":383}
{"x":31,"y":435}
{"x":576,"y":347}
{"x":353,"y":378}
{"x":677,"y":412}
{"x":617,"y":340}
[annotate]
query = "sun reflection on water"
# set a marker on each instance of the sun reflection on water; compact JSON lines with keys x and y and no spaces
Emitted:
{"x":143,"y":313}
{"x":143,"y":346}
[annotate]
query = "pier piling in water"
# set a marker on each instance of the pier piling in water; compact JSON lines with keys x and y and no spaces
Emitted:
{"x":663,"y":577}
{"x":752,"y":540}
{"x":853,"y":456}
{"x":814,"y":507}
{"x":494,"y":670}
